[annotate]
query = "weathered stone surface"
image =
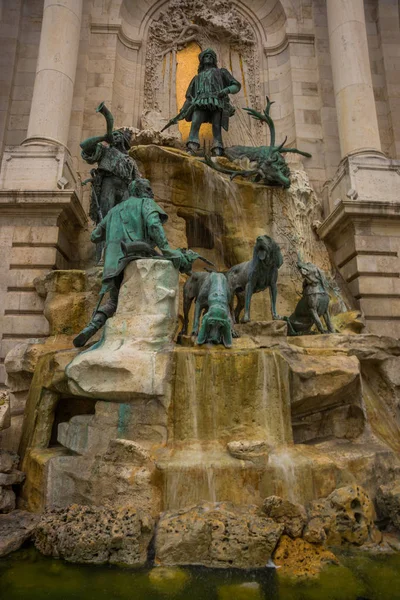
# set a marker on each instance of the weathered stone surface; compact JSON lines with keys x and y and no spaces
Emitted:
{"x":70,"y":297}
{"x":388,"y":502}
{"x":347,"y":516}
{"x":314,"y":531}
{"x":292,"y":516}
{"x":216,"y":535}
{"x":12,"y":478}
{"x":7,"y":499}
{"x":349,"y":322}
{"x":15,"y":529}
{"x":8,"y":461}
{"x":5,"y":416}
{"x":128,"y":361}
{"x":320,"y":381}
{"x":299,"y":558}
{"x":86,"y":534}
{"x":249,"y":450}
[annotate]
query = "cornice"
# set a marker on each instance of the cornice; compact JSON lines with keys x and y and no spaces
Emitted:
{"x":42,"y":202}
{"x":290,"y":38}
{"x":116,"y":29}
{"x":348,"y":210}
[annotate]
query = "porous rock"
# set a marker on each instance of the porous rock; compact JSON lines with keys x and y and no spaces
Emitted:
{"x":388,"y":502}
{"x":293,"y":516}
{"x":346,"y":515}
{"x":298,"y":558}
{"x":216,"y":535}
{"x":15,"y":529}
{"x":98,"y":535}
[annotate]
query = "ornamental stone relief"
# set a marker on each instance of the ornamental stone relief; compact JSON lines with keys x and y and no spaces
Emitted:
{"x":176,"y":37}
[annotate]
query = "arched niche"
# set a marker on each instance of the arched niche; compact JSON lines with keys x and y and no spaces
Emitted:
{"x":241,"y":34}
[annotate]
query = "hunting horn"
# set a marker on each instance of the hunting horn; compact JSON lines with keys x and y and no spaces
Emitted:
{"x":102,"y":108}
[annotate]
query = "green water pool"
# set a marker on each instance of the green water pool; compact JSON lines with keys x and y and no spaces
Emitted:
{"x":28,"y":575}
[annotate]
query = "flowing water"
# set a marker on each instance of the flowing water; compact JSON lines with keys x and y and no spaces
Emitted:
{"x":26,"y":575}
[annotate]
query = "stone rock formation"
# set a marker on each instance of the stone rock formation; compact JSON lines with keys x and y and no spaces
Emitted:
{"x":388,"y":502}
{"x":5,"y":417}
{"x":216,"y":535}
{"x":9,"y":476}
{"x":16,"y":528}
{"x":95,"y":535}
{"x":292,"y":516}
{"x":299,"y":558}
{"x":346,"y":516}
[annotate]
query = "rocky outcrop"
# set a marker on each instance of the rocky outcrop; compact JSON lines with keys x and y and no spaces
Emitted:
{"x":292,"y":516}
{"x":345,"y":517}
{"x":15,"y":529}
{"x":97,"y":535}
{"x":388,"y":502}
{"x":5,"y":416}
{"x":216,"y":535}
{"x":299,"y":558}
{"x":9,"y":476}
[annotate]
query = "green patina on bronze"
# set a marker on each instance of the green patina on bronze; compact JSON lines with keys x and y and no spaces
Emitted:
{"x":313,"y":304}
{"x":130,"y":230}
{"x":115,"y":168}
{"x":207,"y":101}
{"x":271,"y":168}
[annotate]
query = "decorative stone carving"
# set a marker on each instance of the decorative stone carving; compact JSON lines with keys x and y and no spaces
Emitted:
{"x":219,"y":24}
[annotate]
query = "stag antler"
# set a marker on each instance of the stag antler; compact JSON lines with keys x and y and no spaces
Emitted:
{"x":265,"y":118}
{"x":232,"y":172}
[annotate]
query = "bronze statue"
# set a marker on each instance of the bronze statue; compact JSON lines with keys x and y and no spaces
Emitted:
{"x":271,"y":167}
{"x":255,"y":275}
{"x":313,"y":304}
{"x":115,"y":168}
{"x":131,"y":230}
{"x":216,"y":324}
{"x":207,"y":101}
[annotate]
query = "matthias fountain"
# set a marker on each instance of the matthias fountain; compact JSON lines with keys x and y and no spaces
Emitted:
{"x":261,"y":425}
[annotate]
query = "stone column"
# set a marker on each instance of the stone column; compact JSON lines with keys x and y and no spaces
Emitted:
{"x":55,"y":73}
{"x":355,"y":103}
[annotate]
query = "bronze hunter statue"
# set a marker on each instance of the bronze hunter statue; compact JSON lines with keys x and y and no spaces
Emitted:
{"x":115,"y":168}
{"x":131,"y":230}
{"x":207,"y":101}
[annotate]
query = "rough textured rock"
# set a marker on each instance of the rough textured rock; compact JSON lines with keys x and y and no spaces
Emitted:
{"x":299,"y":558}
{"x":15,"y":529}
{"x":292,"y":516}
{"x":388,"y":502}
{"x":7,"y":499}
{"x":8,"y":461}
{"x":314,"y":531}
{"x":13,"y":478}
{"x":5,"y":416}
{"x":70,"y":297}
{"x":128,"y":362}
{"x":347,"y":516}
{"x":216,"y":535}
{"x":350,"y":322}
{"x":84,"y":534}
{"x":249,"y":450}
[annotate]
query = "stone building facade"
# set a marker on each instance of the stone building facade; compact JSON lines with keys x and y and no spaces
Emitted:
{"x":331,"y":66}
